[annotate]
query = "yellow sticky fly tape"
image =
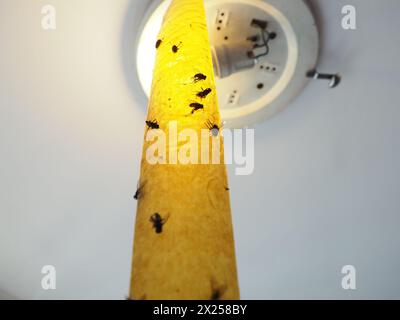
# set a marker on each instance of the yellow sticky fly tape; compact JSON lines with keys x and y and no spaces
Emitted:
{"x":183,"y":246}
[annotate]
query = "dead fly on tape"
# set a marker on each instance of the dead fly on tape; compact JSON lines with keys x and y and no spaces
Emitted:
{"x":153,"y":124}
{"x":158,"y":222}
{"x":204,"y":93}
{"x":196,"y":106}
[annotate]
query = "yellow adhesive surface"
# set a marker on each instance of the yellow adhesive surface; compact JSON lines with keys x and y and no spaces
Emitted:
{"x":193,"y":256}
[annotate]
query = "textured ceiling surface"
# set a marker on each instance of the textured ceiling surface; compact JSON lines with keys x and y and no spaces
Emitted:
{"x":324,"y":192}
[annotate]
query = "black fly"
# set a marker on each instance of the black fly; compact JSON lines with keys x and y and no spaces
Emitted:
{"x":214,"y":128}
{"x":204,"y":93}
{"x":175,"y":48}
{"x":217,"y":291}
{"x":196,"y":106}
{"x":137,"y":194}
{"x":139,"y":191}
{"x":158,"y":43}
{"x":199,"y":77}
{"x":158,"y":222}
{"x":216,"y":294}
{"x":153,"y":124}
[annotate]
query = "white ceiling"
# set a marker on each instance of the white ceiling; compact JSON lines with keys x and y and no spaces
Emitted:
{"x":327,"y":174}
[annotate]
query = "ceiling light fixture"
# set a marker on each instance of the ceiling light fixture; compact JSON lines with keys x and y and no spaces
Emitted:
{"x":264,"y":54}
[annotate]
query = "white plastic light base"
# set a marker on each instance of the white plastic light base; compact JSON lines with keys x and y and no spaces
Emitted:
{"x":253,"y":95}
